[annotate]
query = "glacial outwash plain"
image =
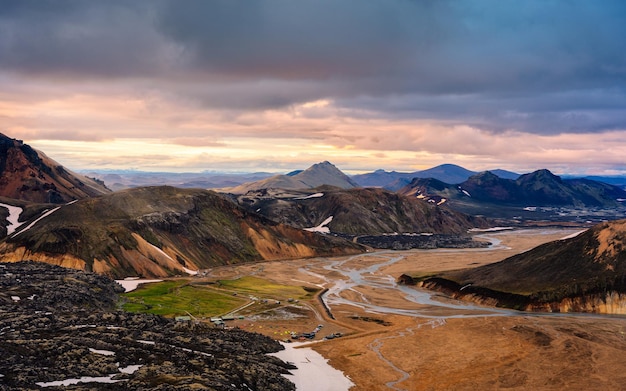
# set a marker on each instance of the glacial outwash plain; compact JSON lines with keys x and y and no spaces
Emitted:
{"x":431,"y":286}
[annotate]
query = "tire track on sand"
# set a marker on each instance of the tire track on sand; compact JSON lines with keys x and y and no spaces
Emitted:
{"x":377,"y":344}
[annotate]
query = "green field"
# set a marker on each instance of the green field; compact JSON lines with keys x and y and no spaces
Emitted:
{"x":265,"y":289}
{"x":178,"y":297}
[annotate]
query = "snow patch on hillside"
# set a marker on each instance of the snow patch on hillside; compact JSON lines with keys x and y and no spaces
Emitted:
{"x":14,"y":215}
{"x":322,"y":227}
{"x":316,"y":195}
{"x":31,"y":225}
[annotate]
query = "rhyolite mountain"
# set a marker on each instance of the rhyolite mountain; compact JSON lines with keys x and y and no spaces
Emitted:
{"x":324,"y":173}
{"x":584,"y":273}
{"x":448,"y":173}
{"x":539,"y":188}
{"x":357,"y":211}
{"x":158,"y":232}
{"x":29,"y":175}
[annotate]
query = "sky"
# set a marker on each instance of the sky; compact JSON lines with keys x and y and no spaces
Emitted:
{"x":277,"y":85}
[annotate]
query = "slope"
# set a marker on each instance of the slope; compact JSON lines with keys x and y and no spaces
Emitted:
{"x":28,"y":174}
{"x":583,"y":273}
{"x":360,"y":211}
{"x":160,"y":231}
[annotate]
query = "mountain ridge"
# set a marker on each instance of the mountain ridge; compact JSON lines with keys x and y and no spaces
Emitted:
{"x":29,"y":175}
{"x":161,"y":231}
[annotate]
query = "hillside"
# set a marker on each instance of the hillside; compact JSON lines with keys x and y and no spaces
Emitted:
{"x":585,"y":273}
{"x":160,"y":231}
{"x":29,"y":175}
{"x":358,"y":211}
{"x":318,"y":174}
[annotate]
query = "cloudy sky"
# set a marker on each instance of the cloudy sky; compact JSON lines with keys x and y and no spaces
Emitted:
{"x":275,"y":85}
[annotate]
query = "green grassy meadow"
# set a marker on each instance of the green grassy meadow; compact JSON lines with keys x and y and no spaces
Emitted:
{"x":180,"y":297}
{"x":177,"y":297}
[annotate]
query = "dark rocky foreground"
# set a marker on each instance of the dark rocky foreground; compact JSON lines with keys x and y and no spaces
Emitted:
{"x":411,"y":241}
{"x":64,"y":326}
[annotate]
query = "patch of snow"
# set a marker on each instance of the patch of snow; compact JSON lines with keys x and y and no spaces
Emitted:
{"x":421,"y":196}
{"x":71,"y":202}
{"x":15,"y":298}
{"x":530,"y":208}
{"x":621,"y":199}
{"x":190,"y":272}
{"x":146,"y":342}
{"x":573,"y":235}
{"x":84,"y":379}
{"x":443,"y":200}
{"x":466,"y":193}
{"x":131,"y":283}
{"x":490,"y":229}
{"x":313,"y":373}
{"x":322,"y":227}
{"x":14,"y":216}
{"x":130,"y":369}
{"x":46,"y":214}
{"x":103,"y":352}
{"x":316,"y":195}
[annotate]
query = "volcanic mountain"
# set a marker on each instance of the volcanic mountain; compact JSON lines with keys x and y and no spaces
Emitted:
{"x":539,"y":188}
{"x":319,"y":174}
{"x":29,"y":175}
{"x":583,"y":273}
{"x":358,"y":211}
{"x":160,"y":231}
{"x":448,"y":173}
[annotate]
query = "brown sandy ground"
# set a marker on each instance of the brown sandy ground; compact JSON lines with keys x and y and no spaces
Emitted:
{"x":392,"y":352}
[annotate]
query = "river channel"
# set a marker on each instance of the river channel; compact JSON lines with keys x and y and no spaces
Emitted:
{"x":357,"y":274}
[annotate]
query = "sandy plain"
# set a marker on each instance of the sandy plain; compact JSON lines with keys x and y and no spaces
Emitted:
{"x":434,"y":347}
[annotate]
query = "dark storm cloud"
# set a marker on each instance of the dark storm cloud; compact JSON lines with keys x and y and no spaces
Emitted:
{"x":79,"y":38}
{"x":537,"y":66}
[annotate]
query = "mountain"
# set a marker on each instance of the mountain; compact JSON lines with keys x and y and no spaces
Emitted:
{"x":358,"y":211}
{"x":157,"y":232}
{"x":318,"y":174}
{"x":124,"y":179}
{"x":29,"y":175}
{"x":448,"y":173}
{"x":539,"y":188}
{"x":584,"y":273}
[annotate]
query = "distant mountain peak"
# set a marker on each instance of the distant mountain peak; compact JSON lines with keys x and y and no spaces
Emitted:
{"x":319,"y":174}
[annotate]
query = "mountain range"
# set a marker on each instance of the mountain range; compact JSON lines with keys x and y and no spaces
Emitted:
{"x":486,"y":190}
{"x":449,"y":173}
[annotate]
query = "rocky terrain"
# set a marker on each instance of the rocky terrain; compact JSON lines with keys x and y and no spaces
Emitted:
{"x":426,"y":242}
{"x":585,"y":273}
{"x":29,"y":175}
{"x":60,"y":324}
{"x":161,"y":231}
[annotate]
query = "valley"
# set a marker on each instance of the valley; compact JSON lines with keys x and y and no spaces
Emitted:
{"x":396,"y":337}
